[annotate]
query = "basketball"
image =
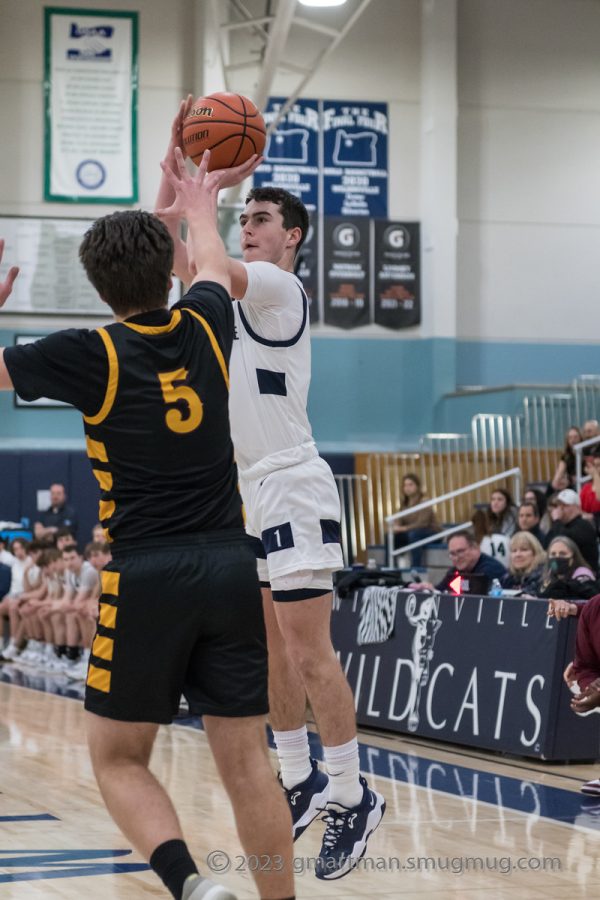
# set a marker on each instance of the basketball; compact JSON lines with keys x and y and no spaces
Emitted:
{"x":229,"y":125}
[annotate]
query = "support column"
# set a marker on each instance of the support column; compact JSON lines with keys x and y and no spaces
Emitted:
{"x":439,"y":108}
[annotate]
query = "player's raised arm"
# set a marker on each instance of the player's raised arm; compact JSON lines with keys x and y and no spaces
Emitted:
{"x":6,"y":287}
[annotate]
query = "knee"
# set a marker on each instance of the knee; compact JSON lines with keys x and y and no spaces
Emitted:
{"x":308,"y":659}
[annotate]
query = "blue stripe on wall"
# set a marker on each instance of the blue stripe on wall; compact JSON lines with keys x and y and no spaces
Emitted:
{"x":502,"y":362}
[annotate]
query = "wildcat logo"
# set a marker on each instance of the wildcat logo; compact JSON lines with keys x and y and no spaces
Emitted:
{"x":46,"y":864}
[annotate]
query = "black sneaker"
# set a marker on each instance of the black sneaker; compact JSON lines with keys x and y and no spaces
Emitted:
{"x":307,"y":799}
{"x":347,"y":832}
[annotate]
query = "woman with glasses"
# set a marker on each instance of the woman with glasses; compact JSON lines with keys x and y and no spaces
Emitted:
{"x":566,"y":574}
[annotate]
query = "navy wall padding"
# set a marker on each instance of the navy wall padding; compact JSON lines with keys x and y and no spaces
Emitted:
{"x":10,"y":487}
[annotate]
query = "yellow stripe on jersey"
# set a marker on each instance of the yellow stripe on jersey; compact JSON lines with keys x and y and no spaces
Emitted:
{"x":110,"y":582}
{"x":95,"y":449}
{"x":156,"y":329}
{"x":113,"y":380}
{"x":99,"y":679}
{"x":103,"y":647}
{"x":105,"y":479}
{"x":107,"y":508}
{"x":214,"y":344}
{"x":108,"y":615}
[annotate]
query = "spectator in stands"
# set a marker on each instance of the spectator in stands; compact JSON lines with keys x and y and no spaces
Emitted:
{"x":492,"y":543}
{"x":526,"y":564}
{"x":566,"y":573}
{"x":58,"y":513}
{"x":502,"y":514}
{"x":528,"y":519}
{"x":591,"y":429}
{"x":568,"y":521}
{"x":590,"y":491}
{"x":467,"y":559}
{"x":5,"y":579}
{"x":414,"y":526}
{"x":564,"y":475}
{"x":98,"y":554}
{"x":536,"y":496}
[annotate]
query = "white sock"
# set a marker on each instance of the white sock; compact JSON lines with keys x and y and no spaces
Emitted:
{"x":343,"y":769}
{"x":294,"y":756}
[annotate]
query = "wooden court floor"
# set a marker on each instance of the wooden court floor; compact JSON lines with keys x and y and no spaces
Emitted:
{"x":459,"y":823}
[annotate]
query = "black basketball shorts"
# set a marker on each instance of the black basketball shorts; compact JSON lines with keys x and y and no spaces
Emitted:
{"x":181,"y":615}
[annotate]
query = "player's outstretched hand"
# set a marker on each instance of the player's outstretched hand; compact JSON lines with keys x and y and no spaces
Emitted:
{"x":176,"y":139}
{"x":588,"y":699}
{"x":6,"y":286}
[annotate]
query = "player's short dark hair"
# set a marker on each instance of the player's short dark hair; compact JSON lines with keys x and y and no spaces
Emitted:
{"x":63,"y":531}
{"x":47,"y":556}
{"x":291,"y":207}
{"x":19,"y":540}
{"x":96,"y":547}
{"x":128,"y":257}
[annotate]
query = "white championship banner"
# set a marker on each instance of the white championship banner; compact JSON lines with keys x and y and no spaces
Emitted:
{"x":91,"y":77}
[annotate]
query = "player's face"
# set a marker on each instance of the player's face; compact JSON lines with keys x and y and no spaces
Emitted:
{"x":263,"y":236}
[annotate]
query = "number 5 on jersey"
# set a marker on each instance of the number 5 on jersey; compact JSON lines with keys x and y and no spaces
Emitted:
{"x":175,"y":419}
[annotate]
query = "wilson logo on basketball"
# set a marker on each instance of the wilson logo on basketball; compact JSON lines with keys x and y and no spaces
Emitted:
{"x":202,"y":111}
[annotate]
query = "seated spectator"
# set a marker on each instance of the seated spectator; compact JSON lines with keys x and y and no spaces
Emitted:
{"x":502,"y":515}
{"x":535,"y":496}
{"x":33,"y":589}
{"x":566,"y":575}
{"x":5,"y":579}
{"x":467,"y":559}
{"x":414,"y":526}
{"x":591,"y":429}
{"x":526,"y":564}
{"x":98,"y":553}
{"x":528,"y":519}
{"x":567,"y":521}
{"x":58,"y":513}
{"x":564,"y":475}
{"x":590,"y":491}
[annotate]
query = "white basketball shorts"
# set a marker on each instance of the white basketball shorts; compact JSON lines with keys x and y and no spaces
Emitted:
{"x":295,"y":513}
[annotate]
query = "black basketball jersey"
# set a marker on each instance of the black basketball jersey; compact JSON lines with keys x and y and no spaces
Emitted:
{"x":156,"y":420}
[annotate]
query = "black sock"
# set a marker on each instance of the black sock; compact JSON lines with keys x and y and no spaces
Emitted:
{"x":173,"y":864}
{"x":60,"y":649}
{"x":72,"y":653}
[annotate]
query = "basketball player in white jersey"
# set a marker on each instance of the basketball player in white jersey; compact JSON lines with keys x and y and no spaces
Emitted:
{"x":293,"y":512}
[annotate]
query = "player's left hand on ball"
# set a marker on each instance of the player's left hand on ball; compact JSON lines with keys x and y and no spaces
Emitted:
{"x":237,"y":174}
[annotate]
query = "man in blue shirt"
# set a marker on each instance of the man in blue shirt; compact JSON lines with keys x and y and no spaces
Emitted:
{"x":467,"y":559}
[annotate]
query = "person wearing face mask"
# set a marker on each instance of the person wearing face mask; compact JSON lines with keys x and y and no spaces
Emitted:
{"x":566,"y":575}
{"x":526,"y":564}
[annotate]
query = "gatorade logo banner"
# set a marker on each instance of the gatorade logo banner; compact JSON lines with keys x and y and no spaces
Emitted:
{"x":397,"y":274}
{"x":346,"y":272}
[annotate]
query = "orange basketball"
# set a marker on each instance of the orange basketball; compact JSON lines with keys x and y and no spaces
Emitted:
{"x":229,"y":125}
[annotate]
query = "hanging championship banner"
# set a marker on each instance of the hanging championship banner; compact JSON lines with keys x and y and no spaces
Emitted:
{"x":397,"y":274}
{"x":307,"y":267}
{"x":292,"y":150}
{"x":346,"y":266}
{"x":355,"y":160}
{"x":90,"y":85}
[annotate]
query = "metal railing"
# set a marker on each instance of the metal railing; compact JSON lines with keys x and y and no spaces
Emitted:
{"x":352,"y":490}
{"x":514,"y":474}
{"x":586,"y":391}
{"x":445,"y":466}
{"x":496,"y":443}
{"x":546,"y":420}
{"x":580,"y":478}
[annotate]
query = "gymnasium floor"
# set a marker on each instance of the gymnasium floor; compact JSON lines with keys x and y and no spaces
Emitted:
{"x":459,"y":824}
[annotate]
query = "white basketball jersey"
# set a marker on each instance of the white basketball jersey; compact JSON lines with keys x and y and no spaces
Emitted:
{"x":270,"y":366}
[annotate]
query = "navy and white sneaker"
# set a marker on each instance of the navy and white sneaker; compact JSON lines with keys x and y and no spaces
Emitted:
{"x":347,"y":832}
{"x":307,"y":799}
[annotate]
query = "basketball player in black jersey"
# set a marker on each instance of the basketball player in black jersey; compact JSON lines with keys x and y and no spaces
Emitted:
{"x":180,"y":610}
